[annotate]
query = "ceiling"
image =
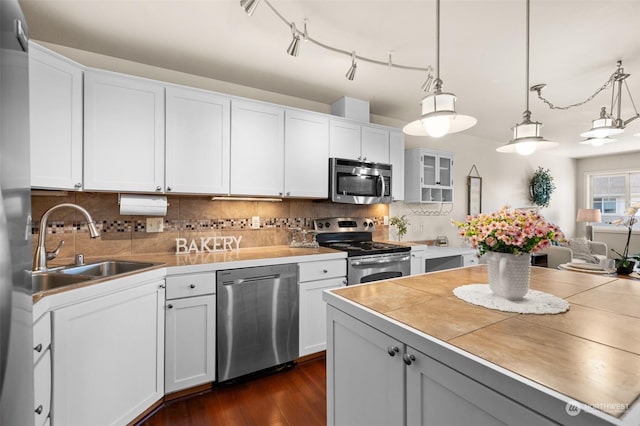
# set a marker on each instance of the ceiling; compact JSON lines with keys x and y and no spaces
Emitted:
{"x":574,"y":49}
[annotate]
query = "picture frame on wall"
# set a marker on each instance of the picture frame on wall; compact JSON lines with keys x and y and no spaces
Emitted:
{"x":474,"y":184}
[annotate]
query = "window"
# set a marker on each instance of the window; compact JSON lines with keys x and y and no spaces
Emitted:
{"x":613,"y":193}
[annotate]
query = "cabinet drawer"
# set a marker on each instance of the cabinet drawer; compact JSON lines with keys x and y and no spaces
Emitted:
{"x":42,"y":385}
{"x":311,"y":271}
{"x":41,"y":336}
{"x":470,"y":259}
{"x":190,"y":285}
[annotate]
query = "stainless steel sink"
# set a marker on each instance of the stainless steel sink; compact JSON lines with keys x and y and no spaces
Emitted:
{"x":107,"y":268}
{"x":67,"y":275}
{"x":49,"y":280}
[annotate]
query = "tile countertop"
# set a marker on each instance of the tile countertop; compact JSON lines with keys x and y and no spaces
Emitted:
{"x":202,"y":262}
{"x":590,"y":353}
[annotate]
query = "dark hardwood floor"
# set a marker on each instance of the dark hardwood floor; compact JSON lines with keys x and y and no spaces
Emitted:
{"x":296,"y":396}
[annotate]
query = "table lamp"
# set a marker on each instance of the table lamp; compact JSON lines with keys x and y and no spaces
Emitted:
{"x":589,"y":216}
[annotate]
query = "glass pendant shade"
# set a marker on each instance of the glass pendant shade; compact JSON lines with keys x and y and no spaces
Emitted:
{"x":527,"y":139}
{"x":439,"y":117}
{"x":602,"y":128}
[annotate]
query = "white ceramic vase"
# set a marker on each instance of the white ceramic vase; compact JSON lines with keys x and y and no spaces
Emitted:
{"x":509,"y":274}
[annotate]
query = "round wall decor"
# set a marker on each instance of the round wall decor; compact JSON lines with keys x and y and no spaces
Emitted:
{"x":541,"y":187}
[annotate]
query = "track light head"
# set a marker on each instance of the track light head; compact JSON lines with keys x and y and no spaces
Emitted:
{"x":351,"y":74}
{"x":249,"y":6}
{"x":294,"y":47}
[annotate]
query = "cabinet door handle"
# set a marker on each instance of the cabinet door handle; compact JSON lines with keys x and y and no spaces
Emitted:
{"x":408,"y":358}
{"x":39,"y":409}
{"x":158,"y":188}
{"x":168,"y":188}
{"x":38,"y":348}
{"x":169,"y":306}
{"x":393,"y":350}
{"x":192,"y":286}
{"x":77,"y":185}
{"x":324,"y":271}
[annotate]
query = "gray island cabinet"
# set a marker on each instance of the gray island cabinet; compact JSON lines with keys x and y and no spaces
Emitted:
{"x":408,"y":352}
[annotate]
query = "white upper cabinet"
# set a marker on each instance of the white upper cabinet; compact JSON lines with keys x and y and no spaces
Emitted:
{"x":257,"y":149}
{"x":306,"y":153}
{"x":375,"y":144}
{"x":428,"y":176}
{"x":344,"y":139}
{"x":55,"y":98}
{"x":358,"y":142}
{"x":396,"y":158}
{"x":197,"y":142}
{"x":123,"y":134}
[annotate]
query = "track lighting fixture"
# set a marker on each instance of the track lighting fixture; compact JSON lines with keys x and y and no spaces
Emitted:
{"x":249,"y":6}
{"x":439,"y":116}
{"x":294,"y":47}
{"x":351,"y":74}
{"x":526,"y":135}
{"x":609,"y":123}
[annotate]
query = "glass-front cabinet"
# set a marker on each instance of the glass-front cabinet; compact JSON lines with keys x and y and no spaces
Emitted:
{"x":428,"y":176}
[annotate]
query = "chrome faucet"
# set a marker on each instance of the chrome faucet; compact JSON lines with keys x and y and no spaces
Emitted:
{"x":41,"y":255}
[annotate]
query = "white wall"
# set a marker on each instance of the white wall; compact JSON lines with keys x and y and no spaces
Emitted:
{"x":505,"y":180}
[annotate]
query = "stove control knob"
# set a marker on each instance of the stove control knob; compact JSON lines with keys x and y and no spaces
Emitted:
{"x":320,"y":225}
{"x":327,"y":224}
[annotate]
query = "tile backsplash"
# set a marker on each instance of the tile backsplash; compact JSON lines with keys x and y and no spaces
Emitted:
{"x":187,"y":217}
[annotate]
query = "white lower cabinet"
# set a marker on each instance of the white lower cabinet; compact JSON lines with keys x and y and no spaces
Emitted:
{"x":417,"y":259}
{"x":365,"y":374}
{"x":42,"y":386}
{"x":108,"y":357}
{"x":42,"y":369}
{"x":315,"y":277}
{"x":470,"y":259}
{"x":375,"y":379}
{"x":190,"y":340}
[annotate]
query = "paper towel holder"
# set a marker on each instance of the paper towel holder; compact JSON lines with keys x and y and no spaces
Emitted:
{"x":154,"y":199}
{"x":121,"y":194}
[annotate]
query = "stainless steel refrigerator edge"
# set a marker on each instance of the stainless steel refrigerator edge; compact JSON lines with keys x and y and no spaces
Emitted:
{"x":16,"y":334}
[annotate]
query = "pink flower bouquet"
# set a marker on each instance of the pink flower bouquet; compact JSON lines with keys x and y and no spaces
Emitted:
{"x":509,"y":231}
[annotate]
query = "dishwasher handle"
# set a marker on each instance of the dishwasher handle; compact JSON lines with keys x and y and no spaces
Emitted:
{"x":252,"y":279}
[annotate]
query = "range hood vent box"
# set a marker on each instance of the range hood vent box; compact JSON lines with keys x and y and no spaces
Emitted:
{"x":351,"y":108}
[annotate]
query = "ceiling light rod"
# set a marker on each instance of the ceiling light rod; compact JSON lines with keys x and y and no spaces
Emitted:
{"x":439,"y":116}
{"x":607,"y":124}
{"x":252,"y":4}
{"x":526,"y":135}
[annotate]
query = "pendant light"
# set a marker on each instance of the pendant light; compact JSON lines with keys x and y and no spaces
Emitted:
{"x":526,"y":135}
{"x":439,"y":115}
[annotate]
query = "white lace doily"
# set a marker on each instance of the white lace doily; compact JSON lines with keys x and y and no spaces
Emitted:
{"x":535,"y":302}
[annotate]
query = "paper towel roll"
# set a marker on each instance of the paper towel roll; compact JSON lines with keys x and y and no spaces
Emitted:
{"x":146,"y":205}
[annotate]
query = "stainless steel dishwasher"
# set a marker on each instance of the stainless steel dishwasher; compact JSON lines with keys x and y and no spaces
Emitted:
{"x":257,"y":317}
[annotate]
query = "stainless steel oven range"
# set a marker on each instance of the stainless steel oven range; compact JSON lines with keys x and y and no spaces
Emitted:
{"x":367,"y":260}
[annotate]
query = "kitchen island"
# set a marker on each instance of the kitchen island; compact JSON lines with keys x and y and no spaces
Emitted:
{"x":407,"y":351}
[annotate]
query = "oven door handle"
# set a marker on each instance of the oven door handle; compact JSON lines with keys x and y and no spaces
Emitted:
{"x":380,"y":262}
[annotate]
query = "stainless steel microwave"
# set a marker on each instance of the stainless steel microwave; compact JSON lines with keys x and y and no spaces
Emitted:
{"x":357,"y":182}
